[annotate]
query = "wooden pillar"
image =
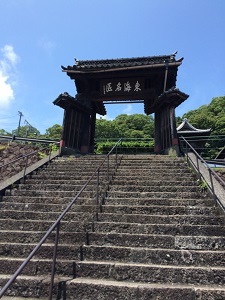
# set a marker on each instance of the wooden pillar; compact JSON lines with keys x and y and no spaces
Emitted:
{"x":166,"y":139}
{"x":92,"y":131}
{"x":158,"y":146}
{"x":85,"y":133}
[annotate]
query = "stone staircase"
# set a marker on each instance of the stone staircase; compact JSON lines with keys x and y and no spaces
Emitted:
{"x":157,"y":236}
{"x":28,"y":210}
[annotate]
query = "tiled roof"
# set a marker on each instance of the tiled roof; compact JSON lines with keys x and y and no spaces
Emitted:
{"x":120,"y":62}
{"x":185,"y":126}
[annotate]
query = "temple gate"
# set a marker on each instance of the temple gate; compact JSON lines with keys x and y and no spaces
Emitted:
{"x":150,"y":80}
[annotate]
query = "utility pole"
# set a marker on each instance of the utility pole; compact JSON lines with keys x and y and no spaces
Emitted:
{"x":20,"y":116}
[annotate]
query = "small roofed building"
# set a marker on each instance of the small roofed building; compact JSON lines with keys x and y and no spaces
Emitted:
{"x":196,"y":137}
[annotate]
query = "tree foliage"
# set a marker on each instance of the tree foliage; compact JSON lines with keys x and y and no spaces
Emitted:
{"x":126,"y":126}
{"x":54,"y":132}
{"x":209,"y":116}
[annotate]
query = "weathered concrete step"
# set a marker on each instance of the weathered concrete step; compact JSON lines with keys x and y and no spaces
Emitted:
{"x":152,"y":188}
{"x":22,"y":250}
{"x":47,"y":193}
{"x":157,"y":241}
{"x":46,"y":207}
{"x":37,"y":266}
{"x":162,"y":194}
{"x":151,"y":182}
{"x":50,"y":216}
{"x":160,"y":201}
{"x":22,"y":298}
{"x":45,"y":200}
{"x":152,"y":161}
{"x":77,"y":169}
{"x":131,"y":240}
{"x":153,"y":176}
{"x":159,"y":210}
{"x":134,"y":272}
{"x":154,"y":256}
{"x":99,"y":289}
{"x":159,"y":219}
{"x":165,"y":229}
{"x":63,"y":176}
{"x":148,"y":171}
{"x":33,"y":286}
{"x":54,"y":187}
{"x":59,"y":182}
{"x":41,"y":225}
{"x":8,"y":236}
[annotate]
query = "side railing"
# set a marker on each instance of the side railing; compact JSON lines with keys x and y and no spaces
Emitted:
{"x":109,"y":173}
{"x":22,"y":161}
{"x":205,"y":173}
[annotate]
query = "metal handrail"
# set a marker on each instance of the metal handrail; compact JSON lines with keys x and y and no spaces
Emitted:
{"x":26,"y":139}
{"x":56,"y":225}
{"x":211,"y":172}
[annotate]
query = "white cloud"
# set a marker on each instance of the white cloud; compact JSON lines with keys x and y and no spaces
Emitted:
{"x":128,"y":109}
{"x":46,"y":45}
{"x":8,"y":62}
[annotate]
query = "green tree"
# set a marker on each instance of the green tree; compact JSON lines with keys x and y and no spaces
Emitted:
{"x":27,"y":131}
{"x":106,"y":129}
{"x":54,"y":132}
{"x":4,"y":132}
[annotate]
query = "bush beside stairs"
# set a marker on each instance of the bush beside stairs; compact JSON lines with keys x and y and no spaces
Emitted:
{"x":157,"y":236}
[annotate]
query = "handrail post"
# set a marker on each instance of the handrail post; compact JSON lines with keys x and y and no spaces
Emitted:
{"x":108,"y":169}
{"x":97,"y":188}
{"x":116,"y":154}
{"x":212,"y":185}
{"x":54,"y":261}
{"x":49,"y":156}
{"x":25,"y":169}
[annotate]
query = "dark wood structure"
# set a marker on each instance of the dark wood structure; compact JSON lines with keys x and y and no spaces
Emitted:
{"x":150,"y":80}
{"x":196,"y":137}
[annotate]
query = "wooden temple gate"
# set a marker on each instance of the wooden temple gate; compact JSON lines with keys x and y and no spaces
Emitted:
{"x":151,"y":80}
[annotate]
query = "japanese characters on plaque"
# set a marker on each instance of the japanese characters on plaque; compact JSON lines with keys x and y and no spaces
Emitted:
{"x":122,"y":86}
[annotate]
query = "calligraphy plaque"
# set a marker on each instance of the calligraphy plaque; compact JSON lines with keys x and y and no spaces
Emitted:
{"x":121,"y":86}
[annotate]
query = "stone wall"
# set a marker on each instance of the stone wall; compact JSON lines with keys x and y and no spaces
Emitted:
{"x":10,"y":152}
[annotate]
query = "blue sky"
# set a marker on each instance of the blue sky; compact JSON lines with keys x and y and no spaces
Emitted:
{"x":38,"y":36}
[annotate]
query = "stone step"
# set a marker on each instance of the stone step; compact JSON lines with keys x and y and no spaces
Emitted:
{"x":22,"y":250}
{"x":150,"y":170}
{"x":47,"y":207}
{"x":37,"y":266}
{"x":46,"y":193}
{"x":42,"y":225}
{"x":153,"y":176}
{"x":157,"y":241}
{"x":139,"y":183}
{"x":165,"y":229}
{"x":101,"y":289}
{"x":45,"y":200}
{"x":154,"y":256}
{"x":161,"y":201}
{"x":160,"y":219}
{"x":63,"y":176}
{"x":60,"y":182}
{"x":163,"y":194}
{"x":56,"y":187}
{"x":134,"y":272}
{"x":152,"y":188}
{"x":33,"y":286}
{"x":159,"y":210}
{"x":8,"y":236}
{"x":50,"y":216}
